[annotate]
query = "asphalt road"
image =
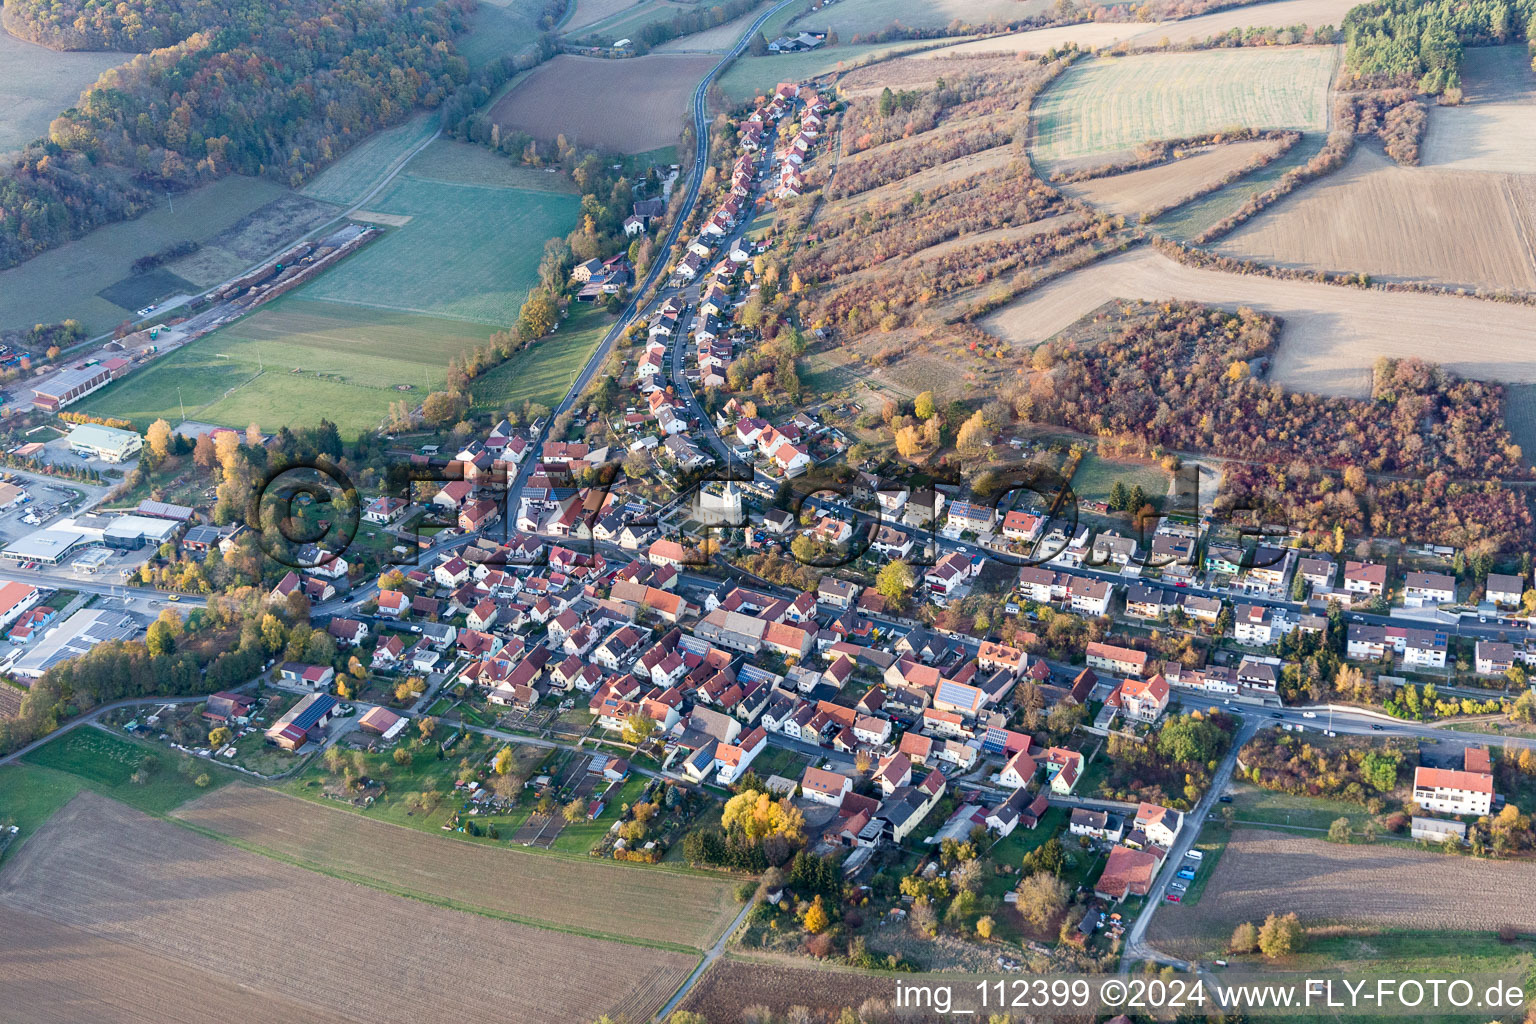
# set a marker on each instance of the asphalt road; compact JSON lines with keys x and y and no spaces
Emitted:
{"x":691,"y":198}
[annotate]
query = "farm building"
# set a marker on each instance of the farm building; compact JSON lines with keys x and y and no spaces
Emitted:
{"x":303,"y":720}
{"x":90,"y":441}
{"x":1438,"y":830}
{"x":382,"y":721}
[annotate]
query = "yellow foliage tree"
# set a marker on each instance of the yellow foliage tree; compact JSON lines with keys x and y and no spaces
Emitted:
{"x":816,"y":919}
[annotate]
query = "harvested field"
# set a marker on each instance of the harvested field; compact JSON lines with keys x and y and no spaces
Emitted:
{"x":105,"y":877}
{"x":1495,"y":129}
{"x":1399,"y":223}
{"x":657,"y":905}
{"x":1281,"y":14}
{"x":851,"y":17}
{"x":1384,"y":886}
{"x":1332,"y":334}
{"x":36,"y":83}
{"x":731,"y":985}
{"x":1089,"y":35}
{"x":258,"y":236}
{"x":645,"y":99}
{"x":113,"y":982}
{"x":1169,"y":184}
{"x":1113,"y":104}
{"x":590,"y":12}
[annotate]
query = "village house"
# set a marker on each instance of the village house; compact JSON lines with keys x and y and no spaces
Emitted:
{"x":1450,"y":791}
{"x":1119,"y":660}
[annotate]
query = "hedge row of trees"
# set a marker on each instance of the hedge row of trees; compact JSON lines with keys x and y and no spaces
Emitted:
{"x":1182,"y":377}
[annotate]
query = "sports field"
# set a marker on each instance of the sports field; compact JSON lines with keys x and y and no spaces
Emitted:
{"x":36,"y":83}
{"x":63,"y":282}
{"x":1111,"y":105}
{"x":543,"y":373}
{"x":351,"y":362}
{"x":369,"y":162}
{"x":467,"y":251}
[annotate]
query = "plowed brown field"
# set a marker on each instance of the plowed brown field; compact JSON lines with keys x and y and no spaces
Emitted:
{"x":126,"y":893}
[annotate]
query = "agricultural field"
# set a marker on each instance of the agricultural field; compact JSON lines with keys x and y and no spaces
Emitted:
{"x":1332,"y":335}
{"x":733,"y":984}
{"x":58,"y":972}
{"x":645,"y":101}
{"x":1186,"y":221}
{"x":713,"y":40}
{"x":852,"y":17}
{"x":361,"y":168}
{"x":1279,"y":14}
{"x":543,"y":373}
{"x":302,"y":358}
{"x":1386,"y":887}
{"x":590,"y":12}
{"x":460,"y":163}
{"x":105,"y":762}
{"x":1520,"y":417}
{"x":748,"y":77}
{"x":629,"y":20}
{"x":658,"y":905}
{"x":218,"y":911}
{"x":1110,"y":105}
{"x":37,"y":83}
{"x":65,"y":281}
{"x":470,"y":252}
{"x":1495,"y":128}
{"x":1401,"y":223}
{"x":1088,"y":35}
{"x":1169,"y":184}
{"x":500,"y":28}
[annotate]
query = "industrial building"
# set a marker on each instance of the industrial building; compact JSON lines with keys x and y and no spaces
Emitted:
{"x":92,"y":441}
{"x":69,"y":386}
{"x":76,"y":635}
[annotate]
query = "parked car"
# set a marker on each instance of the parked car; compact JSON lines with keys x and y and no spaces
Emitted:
{"x":1172,"y":897}
{"x":1224,"y":799}
{"x":1187,"y":874}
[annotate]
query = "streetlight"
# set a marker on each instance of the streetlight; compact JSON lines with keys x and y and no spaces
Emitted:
{"x":183,"y":405}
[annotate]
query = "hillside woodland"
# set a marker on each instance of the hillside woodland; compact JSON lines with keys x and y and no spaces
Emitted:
{"x":272,"y":90}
